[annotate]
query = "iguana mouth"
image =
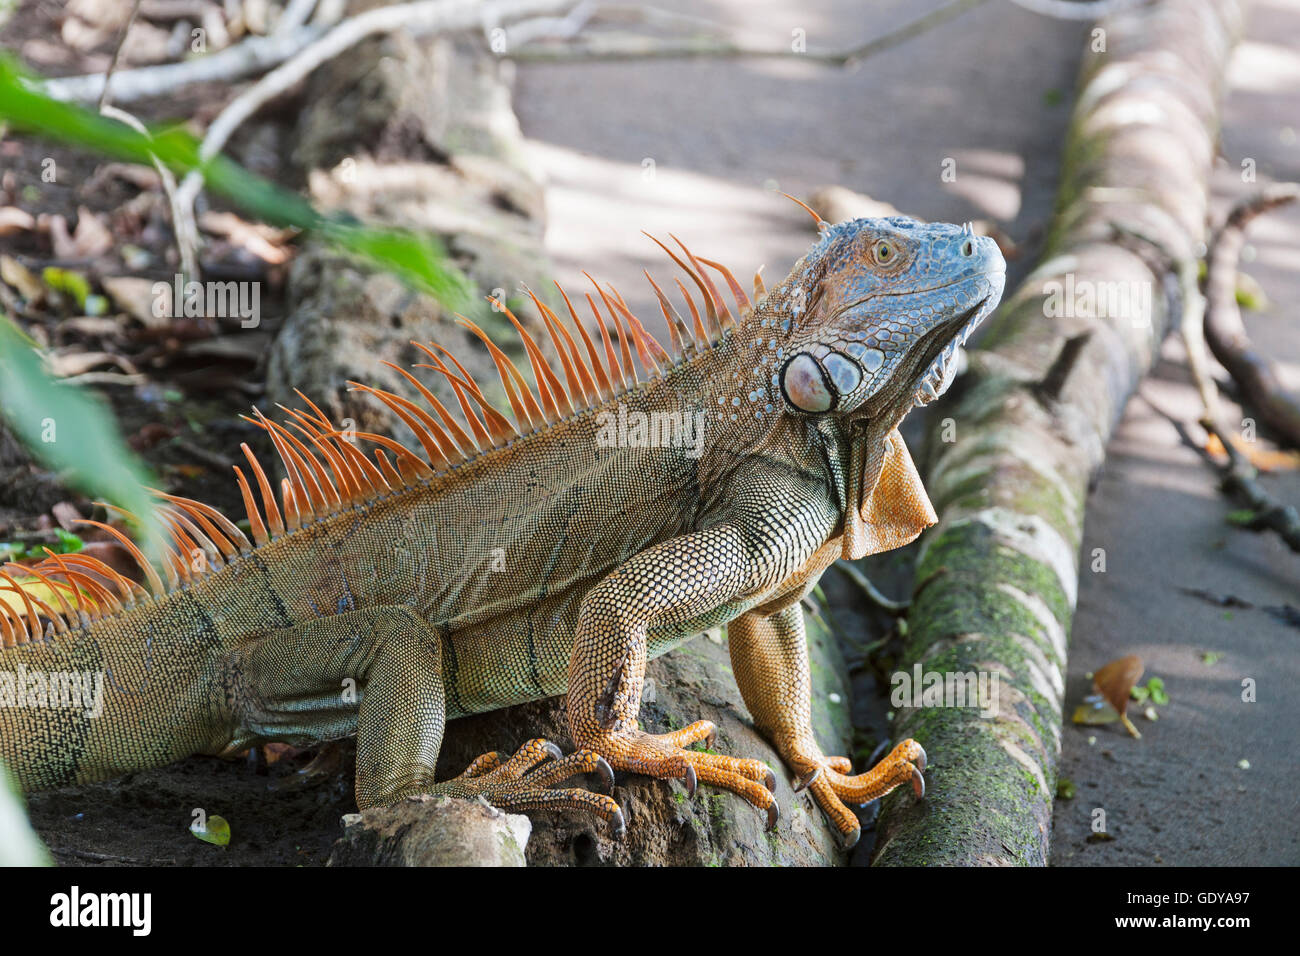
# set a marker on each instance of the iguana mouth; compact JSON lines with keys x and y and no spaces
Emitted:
{"x":938,"y":374}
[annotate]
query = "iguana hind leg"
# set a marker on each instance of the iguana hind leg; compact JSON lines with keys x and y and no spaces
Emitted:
{"x":390,"y":662}
{"x":666,"y":586}
{"x":769,"y":655}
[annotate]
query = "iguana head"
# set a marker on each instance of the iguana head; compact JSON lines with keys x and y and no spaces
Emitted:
{"x":874,"y":315}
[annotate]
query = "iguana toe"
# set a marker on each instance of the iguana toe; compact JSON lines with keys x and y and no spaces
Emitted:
{"x":835,"y":790}
{"x":850,"y":839}
{"x":527,"y":782}
{"x":666,"y":756}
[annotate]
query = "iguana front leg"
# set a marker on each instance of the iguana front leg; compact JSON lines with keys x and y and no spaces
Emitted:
{"x":769,"y":655}
{"x":300,"y":683}
{"x":670,"y":586}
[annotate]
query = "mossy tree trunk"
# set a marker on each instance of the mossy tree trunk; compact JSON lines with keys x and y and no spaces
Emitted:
{"x":1012,"y":460}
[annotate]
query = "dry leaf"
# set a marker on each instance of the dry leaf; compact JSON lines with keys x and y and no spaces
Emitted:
{"x":77,"y":363}
{"x":67,"y":515}
{"x":261,"y":240}
{"x":13,"y":219}
{"x":1114,"y":681}
{"x":1262,"y":458}
{"x":135,"y":297}
{"x":90,"y":240}
{"x":16,"y":274}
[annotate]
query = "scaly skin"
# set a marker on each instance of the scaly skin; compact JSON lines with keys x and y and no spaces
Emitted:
{"x":556,"y":563}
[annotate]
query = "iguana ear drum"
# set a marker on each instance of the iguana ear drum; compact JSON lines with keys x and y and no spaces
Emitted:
{"x":806,"y":386}
{"x":818,"y":386}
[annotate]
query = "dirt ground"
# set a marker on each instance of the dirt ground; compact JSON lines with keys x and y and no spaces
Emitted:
{"x":992,"y":91}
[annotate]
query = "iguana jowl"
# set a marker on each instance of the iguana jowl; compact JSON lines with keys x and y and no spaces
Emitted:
{"x":508,"y":562}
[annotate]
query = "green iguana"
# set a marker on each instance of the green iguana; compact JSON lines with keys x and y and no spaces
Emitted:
{"x":619,"y":515}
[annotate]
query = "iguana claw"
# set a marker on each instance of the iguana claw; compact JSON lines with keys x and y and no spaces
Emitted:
{"x":606,"y":774}
{"x":850,"y":839}
{"x":808,"y":779}
{"x":773,"y":814}
{"x":918,"y":783}
{"x":667,"y":756}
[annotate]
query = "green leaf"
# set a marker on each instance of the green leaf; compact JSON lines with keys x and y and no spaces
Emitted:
{"x":1157,"y":688}
{"x":69,"y":283}
{"x":1243,"y":517}
{"x":68,"y":542}
{"x":216,"y":831}
{"x":19,"y":845}
{"x":68,"y":430}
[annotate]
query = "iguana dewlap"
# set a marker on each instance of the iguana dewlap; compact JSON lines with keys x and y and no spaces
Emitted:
{"x":619,"y":514}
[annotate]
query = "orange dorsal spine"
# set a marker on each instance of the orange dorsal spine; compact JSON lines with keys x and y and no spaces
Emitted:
{"x":326,"y":473}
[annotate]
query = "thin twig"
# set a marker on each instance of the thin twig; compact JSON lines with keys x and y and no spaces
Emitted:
{"x":850,"y":571}
{"x":183,"y":225}
{"x":1078,"y":9}
{"x":117,"y":52}
{"x":294,"y":15}
{"x":418,"y":19}
{"x":250,"y":56}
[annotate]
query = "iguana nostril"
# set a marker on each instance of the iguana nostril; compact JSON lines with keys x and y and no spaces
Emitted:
{"x":968,"y":247}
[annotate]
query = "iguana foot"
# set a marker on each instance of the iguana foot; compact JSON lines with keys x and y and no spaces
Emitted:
{"x":526,"y":782}
{"x":665,"y":756}
{"x":833,"y":788}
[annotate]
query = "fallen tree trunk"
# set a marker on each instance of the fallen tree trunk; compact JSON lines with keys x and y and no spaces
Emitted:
{"x":1011,"y":463}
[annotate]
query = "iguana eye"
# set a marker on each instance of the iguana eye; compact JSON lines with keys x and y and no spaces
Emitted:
{"x":883,"y":251}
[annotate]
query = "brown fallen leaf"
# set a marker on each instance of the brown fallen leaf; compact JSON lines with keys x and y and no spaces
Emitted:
{"x":68,"y":364}
{"x":67,"y":515}
{"x":13,"y":219}
{"x":90,"y":240}
{"x":1114,"y":680}
{"x":135,"y":297}
{"x":265,"y":242}
{"x":16,"y":274}
{"x":141,"y":177}
{"x":1262,"y":458}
